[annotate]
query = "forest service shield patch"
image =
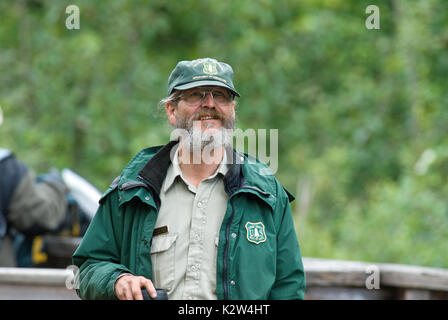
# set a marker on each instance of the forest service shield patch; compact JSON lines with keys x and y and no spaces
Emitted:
{"x":255,"y":232}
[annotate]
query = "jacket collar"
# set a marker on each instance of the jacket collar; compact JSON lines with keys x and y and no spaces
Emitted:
{"x":154,"y":172}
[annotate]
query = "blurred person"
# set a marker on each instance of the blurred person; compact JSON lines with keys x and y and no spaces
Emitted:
{"x":27,"y":207}
{"x":32,"y":208}
{"x":207,"y":228}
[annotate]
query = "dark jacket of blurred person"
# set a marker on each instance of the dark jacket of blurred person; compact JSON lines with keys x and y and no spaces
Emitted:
{"x":30,"y":207}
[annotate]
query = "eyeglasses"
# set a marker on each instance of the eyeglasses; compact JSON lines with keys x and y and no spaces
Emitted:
{"x":221,"y":98}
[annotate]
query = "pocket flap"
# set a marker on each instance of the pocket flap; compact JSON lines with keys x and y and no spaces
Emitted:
{"x":163,"y":242}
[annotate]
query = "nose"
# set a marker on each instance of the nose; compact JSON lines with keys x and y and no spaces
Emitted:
{"x":208,"y":100}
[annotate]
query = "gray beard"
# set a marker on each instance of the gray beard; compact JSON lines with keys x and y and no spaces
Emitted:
{"x":198,"y":140}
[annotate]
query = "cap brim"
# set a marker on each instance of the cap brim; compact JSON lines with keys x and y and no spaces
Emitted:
{"x":203,"y":83}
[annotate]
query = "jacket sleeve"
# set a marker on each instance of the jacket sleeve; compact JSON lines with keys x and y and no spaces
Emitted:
{"x":290,"y":278}
{"x":98,"y":255}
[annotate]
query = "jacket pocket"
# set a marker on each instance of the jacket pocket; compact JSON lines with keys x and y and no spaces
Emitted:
{"x":163,"y":261}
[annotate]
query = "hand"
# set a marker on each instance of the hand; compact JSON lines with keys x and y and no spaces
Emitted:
{"x":128,"y":287}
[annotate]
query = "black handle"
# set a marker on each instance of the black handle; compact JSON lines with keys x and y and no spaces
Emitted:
{"x":161,"y":295}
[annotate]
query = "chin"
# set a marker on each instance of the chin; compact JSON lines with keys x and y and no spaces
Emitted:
{"x":211,"y":124}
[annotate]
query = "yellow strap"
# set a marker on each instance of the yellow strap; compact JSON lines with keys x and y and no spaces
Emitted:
{"x":37,"y":255}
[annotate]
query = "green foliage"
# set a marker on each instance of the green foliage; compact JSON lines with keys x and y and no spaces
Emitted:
{"x":357,"y":110}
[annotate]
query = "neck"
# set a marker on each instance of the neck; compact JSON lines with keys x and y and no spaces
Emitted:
{"x":196,"y":168}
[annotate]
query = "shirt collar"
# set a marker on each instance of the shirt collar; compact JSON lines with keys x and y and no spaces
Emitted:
{"x":175,"y":171}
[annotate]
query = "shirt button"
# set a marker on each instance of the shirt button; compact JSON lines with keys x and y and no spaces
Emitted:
{"x":197,"y":237}
{"x":147,"y":198}
{"x":232,"y":282}
{"x":199,"y":204}
{"x":193,"y":268}
{"x":234,"y":235}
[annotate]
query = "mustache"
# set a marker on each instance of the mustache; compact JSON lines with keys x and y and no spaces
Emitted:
{"x":184,"y":122}
{"x":206,"y":112}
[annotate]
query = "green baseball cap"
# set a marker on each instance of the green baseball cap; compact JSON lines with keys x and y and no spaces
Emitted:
{"x":201,"y":72}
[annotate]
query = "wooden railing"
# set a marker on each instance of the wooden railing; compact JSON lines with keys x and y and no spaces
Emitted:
{"x":326,"y":279}
{"x":336,"y":279}
{"x":35,"y":284}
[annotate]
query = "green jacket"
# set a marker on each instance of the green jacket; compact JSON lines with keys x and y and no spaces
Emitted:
{"x":258,"y":252}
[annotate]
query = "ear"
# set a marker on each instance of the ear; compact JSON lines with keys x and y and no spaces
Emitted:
{"x":170,"y":109}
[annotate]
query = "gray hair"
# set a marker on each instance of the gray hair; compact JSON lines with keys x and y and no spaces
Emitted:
{"x":174,"y":98}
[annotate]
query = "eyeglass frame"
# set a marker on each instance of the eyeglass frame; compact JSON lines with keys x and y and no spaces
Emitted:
{"x":204,"y":93}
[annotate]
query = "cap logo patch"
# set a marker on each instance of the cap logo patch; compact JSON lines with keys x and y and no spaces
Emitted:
{"x":209,"y":68}
{"x":255,"y":232}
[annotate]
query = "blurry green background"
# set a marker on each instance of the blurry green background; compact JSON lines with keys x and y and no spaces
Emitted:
{"x":362,"y":114}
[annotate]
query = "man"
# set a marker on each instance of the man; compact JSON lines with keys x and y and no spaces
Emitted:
{"x":193,"y":217}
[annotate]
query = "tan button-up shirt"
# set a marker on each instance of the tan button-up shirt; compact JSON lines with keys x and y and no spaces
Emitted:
{"x":183,"y":255}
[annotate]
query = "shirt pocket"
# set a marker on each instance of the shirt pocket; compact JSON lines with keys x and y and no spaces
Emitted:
{"x":163,"y":261}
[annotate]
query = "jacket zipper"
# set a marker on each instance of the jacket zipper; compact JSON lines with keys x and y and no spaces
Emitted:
{"x":226,"y":246}
{"x":226,"y":254}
